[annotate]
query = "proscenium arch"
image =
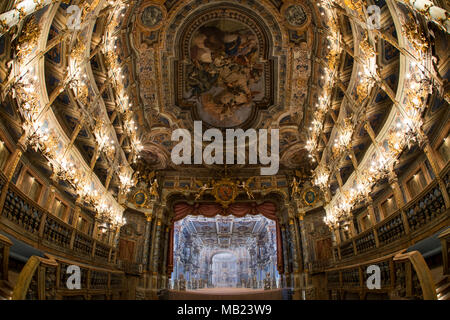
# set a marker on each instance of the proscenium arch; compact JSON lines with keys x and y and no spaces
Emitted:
{"x":281,"y":263}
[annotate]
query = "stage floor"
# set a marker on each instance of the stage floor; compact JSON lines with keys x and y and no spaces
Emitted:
{"x":226,"y":291}
{"x":226,"y":294}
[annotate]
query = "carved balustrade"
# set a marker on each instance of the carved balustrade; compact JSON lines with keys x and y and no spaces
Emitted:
{"x":45,"y":231}
{"x":424,"y":214}
{"x":48,"y":278}
{"x":402,"y":276}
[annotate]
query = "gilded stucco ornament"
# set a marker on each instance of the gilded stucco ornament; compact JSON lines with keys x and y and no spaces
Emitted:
{"x":412,"y":31}
{"x":310,"y":196}
{"x":28,"y":39}
{"x":140,"y":198}
{"x":225,"y":191}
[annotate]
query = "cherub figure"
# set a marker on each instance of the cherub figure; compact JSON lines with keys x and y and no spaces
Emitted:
{"x":202,"y":190}
{"x":246,"y":186}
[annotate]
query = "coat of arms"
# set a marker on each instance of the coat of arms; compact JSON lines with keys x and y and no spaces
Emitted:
{"x":225,"y":191}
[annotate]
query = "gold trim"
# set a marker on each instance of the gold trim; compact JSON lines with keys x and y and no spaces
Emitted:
{"x":315,"y":196}
{"x":145,"y":198}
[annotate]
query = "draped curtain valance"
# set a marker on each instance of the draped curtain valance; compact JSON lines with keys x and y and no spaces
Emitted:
{"x":267,"y":209}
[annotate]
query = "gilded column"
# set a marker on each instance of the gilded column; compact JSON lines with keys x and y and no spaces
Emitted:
{"x":97,"y":222}
{"x":298,"y":244}
{"x":293,"y":239}
{"x":152,"y":239}
{"x":353,"y":231}
{"x":286,"y":252}
{"x":148,"y":224}
{"x":393,"y":181}
{"x":337,"y":237}
{"x":156,"y":253}
{"x":76,"y":214}
{"x":297,"y":259}
{"x":164,"y":260}
{"x":373,"y":219}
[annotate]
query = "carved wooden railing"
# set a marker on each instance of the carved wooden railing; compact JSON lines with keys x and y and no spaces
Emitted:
{"x":37,"y":280}
{"x":402,"y":276}
{"x":46,"y":279}
{"x":390,"y":229}
{"x":427,"y":211}
{"x":43,"y":230}
{"x":365,"y":241}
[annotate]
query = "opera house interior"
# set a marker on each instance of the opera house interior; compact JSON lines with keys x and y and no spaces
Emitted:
{"x":120,"y":178}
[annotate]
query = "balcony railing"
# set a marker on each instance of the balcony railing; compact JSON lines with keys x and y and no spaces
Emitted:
{"x":390,"y":229}
{"x":29,"y":220}
{"x":39,"y":280}
{"x":425,"y":208}
{"x":365,"y":241}
{"x":402,"y":276}
{"x":426,"y":212}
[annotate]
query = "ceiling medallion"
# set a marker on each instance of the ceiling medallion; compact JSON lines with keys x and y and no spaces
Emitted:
{"x":152,"y":16}
{"x":296,"y":15}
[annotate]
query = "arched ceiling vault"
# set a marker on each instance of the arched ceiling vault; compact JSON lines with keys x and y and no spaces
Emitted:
{"x":98,"y":94}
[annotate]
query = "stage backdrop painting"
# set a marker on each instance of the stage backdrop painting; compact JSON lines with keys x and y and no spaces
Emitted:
{"x":267,"y":209}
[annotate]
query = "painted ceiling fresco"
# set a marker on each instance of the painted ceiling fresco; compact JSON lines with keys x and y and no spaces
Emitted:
{"x":224,"y":75}
{"x":232,"y":65}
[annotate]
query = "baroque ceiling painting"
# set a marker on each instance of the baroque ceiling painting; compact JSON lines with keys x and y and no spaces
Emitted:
{"x":230,"y":65}
{"x":224,"y":76}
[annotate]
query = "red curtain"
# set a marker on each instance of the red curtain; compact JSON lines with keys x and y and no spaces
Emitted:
{"x":170,"y":262}
{"x":267,"y":209}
